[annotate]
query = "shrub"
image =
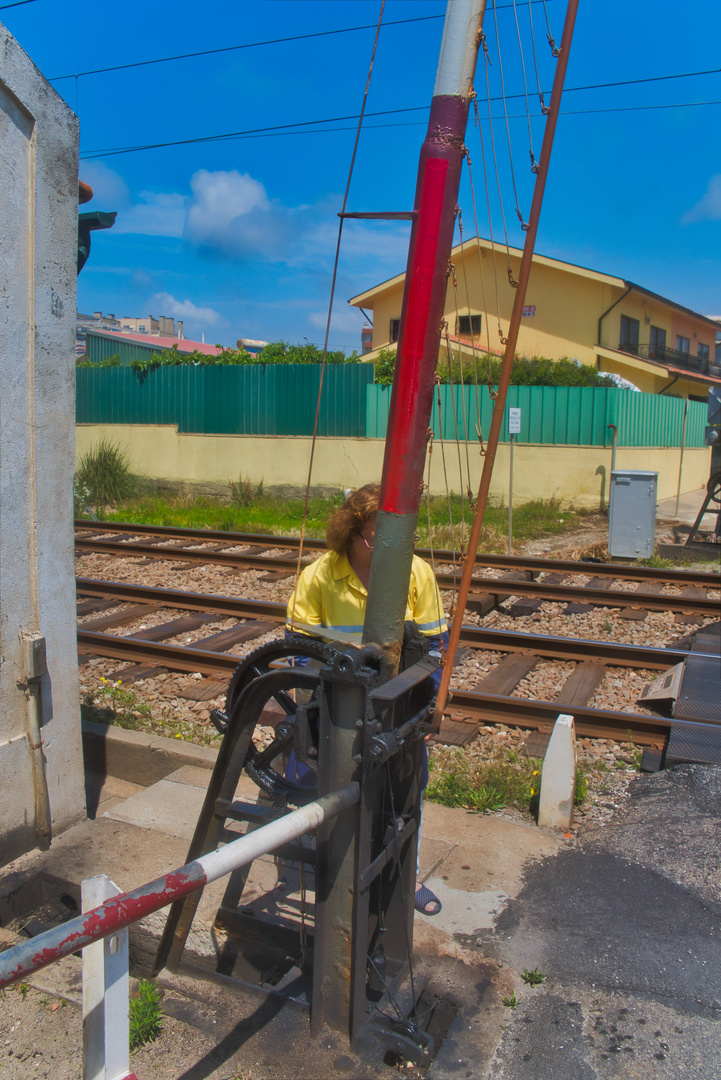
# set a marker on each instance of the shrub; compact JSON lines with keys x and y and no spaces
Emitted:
{"x":535,"y":371}
{"x":104,"y":474}
{"x":244,"y":492}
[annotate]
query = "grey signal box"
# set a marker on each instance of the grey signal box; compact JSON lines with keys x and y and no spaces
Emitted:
{"x":632,"y":514}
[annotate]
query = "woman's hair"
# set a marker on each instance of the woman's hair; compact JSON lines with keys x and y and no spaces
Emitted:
{"x":349,"y":519}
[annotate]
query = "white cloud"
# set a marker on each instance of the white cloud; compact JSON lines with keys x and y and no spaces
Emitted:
{"x":160,"y":214}
{"x":110,"y":192}
{"x":708,"y":208}
{"x":230,"y":211}
{"x":184,"y":309}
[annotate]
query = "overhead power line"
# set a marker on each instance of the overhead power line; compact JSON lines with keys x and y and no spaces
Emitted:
{"x":293,"y":129}
{"x":18,"y":3}
{"x":419,"y":108}
{"x":248,"y":44}
{"x":235,"y":48}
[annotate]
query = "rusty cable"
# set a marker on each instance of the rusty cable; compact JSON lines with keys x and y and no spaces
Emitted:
{"x":330,"y":309}
{"x":505,"y":116}
{"x":525,"y":89}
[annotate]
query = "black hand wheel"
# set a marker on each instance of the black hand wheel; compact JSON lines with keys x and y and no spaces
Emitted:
{"x":255,"y":682}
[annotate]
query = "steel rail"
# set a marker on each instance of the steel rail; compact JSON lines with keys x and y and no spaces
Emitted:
{"x":234,"y":606}
{"x":131,"y":550}
{"x":509,"y":562}
{"x":542,"y":589}
{"x":115,"y":914}
{"x":591,"y":723}
{"x":599,"y":597}
{"x":487,"y":708}
{"x":610,"y":653}
{"x":175,"y":657}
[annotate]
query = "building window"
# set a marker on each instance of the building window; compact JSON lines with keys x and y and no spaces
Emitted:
{"x":629,"y":335}
{"x":395,"y":327}
{"x":682,"y":344}
{"x":657,"y":344}
{"x":703,"y":353}
{"x":468,"y":325}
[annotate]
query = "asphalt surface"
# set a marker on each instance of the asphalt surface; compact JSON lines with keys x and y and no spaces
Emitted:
{"x":625,"y":927}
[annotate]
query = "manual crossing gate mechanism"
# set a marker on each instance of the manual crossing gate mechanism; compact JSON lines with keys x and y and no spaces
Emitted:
{"x":353,"y":959}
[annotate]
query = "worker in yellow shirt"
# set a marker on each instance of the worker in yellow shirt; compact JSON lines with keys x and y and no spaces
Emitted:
{"x":331,"y":594}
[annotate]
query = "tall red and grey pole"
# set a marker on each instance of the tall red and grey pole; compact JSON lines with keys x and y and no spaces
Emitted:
{"x":419,"y":336}
{"x":339,"y":966}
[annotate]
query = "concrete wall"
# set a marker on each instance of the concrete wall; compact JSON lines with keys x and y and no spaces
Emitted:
{"x":576,"y":475}
{"x":38,"y":210}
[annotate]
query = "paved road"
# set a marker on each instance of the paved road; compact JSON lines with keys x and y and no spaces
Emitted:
{"x":626,"y":928}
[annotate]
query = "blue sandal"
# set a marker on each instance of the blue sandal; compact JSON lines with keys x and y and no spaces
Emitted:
{"x":424,"y":899}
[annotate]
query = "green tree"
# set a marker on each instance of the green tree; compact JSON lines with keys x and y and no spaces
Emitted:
{"x":526,"y":371}
{"x":282,"y":352}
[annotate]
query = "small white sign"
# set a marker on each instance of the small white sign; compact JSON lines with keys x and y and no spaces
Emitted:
{"x":514,"y":421}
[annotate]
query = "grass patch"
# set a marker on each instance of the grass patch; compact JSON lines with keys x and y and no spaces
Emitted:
{"x":145,"y":1016}
{"x":251,"y":509}
{"x":103,"y":475}
{"x":113,"y":703}
{"x":484,"y":786}
{"x":581,"y":791}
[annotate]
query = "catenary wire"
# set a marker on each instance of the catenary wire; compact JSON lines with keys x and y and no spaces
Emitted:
{"x":519,"y":213}
{"x":281,"y":129}
{"x":534,"y":165}
{"x":246,"y":45}
{"x":334,"y":279}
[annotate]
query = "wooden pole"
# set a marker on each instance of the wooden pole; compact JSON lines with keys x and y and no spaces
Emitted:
{"x":508,"y":356}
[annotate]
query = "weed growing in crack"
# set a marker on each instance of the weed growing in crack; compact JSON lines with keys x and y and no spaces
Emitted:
{"x":533,"y":978}
{"x":145,"y":1016}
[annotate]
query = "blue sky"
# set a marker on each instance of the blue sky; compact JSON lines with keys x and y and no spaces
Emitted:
{"x":237,"y":236}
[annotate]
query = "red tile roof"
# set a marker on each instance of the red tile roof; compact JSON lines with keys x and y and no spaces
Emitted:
{"x":160,"y":341}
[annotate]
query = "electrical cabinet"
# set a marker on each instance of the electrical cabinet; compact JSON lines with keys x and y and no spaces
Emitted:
{"x":632,"y":514}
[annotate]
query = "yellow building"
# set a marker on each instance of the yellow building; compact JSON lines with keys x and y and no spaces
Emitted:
{"x":570,"y":311}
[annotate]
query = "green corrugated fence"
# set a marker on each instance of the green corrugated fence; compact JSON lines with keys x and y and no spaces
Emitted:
{"x":280,"y":399}
{"x":557,"y":415}
{"x":252,"y":399}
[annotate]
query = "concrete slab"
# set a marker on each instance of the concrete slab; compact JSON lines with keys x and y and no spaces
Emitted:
{"x":688,"y":508}
{"x":488,"y":853}
{"x":463,"y":912}
{"x":165,"y":807}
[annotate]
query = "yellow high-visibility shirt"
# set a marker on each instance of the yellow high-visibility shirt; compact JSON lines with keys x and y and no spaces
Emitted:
{"x":330,"y":594}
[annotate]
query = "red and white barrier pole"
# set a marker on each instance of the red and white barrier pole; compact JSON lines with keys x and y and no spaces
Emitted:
{"x":20,"y":961}
{"x":419,"y":336}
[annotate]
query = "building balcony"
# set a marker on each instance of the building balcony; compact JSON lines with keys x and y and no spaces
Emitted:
{"x":665,"y":355}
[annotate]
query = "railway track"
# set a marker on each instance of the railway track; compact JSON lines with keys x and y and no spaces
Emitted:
{"x":152,"y":651}
{"x":635,"y":589}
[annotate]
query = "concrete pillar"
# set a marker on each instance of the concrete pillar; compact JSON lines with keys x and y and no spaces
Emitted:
{"x":41,"y":770}
{"x":558,"y":776}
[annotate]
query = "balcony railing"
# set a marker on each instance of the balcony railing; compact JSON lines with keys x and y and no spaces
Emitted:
{"x":665,"y":355}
